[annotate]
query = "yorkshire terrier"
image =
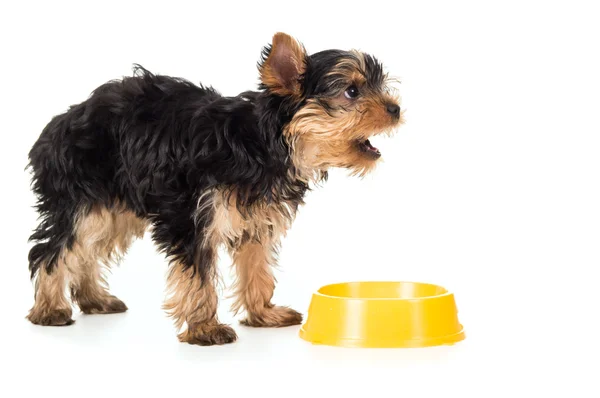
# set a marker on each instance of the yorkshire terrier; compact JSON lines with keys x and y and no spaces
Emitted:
{"x":201,"y":170}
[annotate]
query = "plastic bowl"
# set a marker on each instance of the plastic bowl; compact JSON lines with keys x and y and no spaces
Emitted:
{"x":383,"y":315}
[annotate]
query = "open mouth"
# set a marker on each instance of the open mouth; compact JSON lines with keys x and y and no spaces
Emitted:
{"x":368,"y":149}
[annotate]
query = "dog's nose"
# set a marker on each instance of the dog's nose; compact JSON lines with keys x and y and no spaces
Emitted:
{"x":393,"y":109}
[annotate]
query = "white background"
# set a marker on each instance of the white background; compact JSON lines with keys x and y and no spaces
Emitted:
{"x":491,"y":189}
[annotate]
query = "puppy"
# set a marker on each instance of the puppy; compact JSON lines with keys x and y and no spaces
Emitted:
{"x":201,"y":170}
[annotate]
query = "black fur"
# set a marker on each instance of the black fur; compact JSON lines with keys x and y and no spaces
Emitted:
{"x":155,"y":144}
{"x":319,"y":82}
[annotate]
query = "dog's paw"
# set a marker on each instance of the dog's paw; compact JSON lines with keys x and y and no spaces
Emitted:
{"x":108,"y":305}
{"x":275,"y":316}
{"x":206,"y":335}
{"x":59,"y":317}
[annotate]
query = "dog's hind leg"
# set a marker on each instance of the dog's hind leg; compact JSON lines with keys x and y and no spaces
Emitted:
{"x":52,"y":307}
{"x":46,"y":263}
{"x":102,"y":236}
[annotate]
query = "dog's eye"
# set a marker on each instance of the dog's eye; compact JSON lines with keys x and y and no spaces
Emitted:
{"x":351,"y":92}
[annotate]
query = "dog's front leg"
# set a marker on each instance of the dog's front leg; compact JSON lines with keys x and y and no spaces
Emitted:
{"x":192,"y":296}
{"x":255,"y":284}
{"x":194,"y":304}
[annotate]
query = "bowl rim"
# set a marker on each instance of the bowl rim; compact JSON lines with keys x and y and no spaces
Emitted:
{"x":446,"y":292}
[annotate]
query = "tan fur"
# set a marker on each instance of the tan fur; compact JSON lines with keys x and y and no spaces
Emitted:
{"x":209,"y":333}
{"x":255,"y":283}
{"x":52,"y":308}
{"x":284,"y":66}
{"x":350,"y":70}
{"x":193,"y":304}
{"x":102,"y":236}
{"x":254,"y":287}
{"x":252,"y":238}
{"x":189,"y":300}
{"x":261,"y":222}
{"x":321,"y":138}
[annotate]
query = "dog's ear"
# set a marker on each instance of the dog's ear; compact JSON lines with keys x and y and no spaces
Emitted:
{"x":283,"y":63}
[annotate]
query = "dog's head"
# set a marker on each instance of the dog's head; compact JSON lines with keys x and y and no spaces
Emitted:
{"x":341,"y":99}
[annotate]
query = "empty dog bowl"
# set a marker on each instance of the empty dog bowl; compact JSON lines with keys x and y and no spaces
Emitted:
{"x":382,"y":314}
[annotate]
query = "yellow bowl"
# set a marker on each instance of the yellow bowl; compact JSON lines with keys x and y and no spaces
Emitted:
{"x":382,"y":314}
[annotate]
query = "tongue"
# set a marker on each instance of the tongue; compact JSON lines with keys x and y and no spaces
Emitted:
{"x":370,"y":147}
